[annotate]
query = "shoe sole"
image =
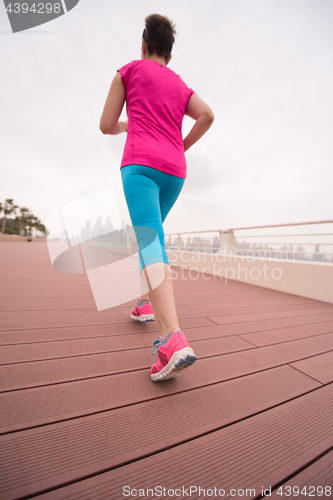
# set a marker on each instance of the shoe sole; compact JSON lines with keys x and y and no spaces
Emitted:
{"x":178,"y":361}
{"x":143,"y":317}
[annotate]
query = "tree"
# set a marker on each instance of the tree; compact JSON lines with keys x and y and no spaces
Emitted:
{"x":30,"y":223}
{"x":8,"y":208}
{"x":23,"y":218}
{"x":35,"y":223}
{"x":39,"y":227}
{"x":43,"y":229}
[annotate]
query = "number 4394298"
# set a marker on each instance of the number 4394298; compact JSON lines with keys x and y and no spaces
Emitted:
{"x":307,"y":491}
{"x":36,"y":8}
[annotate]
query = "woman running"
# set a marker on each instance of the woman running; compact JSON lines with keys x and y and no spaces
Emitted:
{"x":153,"y":171}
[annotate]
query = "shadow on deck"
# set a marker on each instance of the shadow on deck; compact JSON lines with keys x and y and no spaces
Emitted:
{"x":81,"y":419}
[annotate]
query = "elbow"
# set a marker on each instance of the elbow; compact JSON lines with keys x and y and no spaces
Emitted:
{"x":110,"y":129}
{"x":103,"y":128}
{"x":207,"y":117}
{"x":210,"y":117}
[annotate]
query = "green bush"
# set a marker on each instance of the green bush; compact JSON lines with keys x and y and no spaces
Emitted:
{"x":8,"y":230}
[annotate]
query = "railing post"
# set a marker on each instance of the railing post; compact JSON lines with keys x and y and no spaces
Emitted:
{"x":179,"y":242}
{"x":128,"y":242}
{"x":227,"y":242}
{"x":232,"y":242}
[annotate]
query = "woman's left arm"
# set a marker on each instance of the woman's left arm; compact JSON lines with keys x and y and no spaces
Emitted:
{"x":114,"y":104}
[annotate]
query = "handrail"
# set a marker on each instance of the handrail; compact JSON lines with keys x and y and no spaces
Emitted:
{"x":283,"y":225}
{"x":254,"y":227}
{"x":229,"y":244}
{"x":274,"y":235}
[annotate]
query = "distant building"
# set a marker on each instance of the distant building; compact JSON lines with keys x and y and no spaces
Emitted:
{"x":316,"y":256}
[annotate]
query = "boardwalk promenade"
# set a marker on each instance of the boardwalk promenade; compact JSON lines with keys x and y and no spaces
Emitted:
{"x":80,"y":418}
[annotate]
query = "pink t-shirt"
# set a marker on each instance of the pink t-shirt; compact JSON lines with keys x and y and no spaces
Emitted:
{"x":156,"y":101}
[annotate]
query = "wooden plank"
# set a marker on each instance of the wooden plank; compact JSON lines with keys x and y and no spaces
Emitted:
{"x":316,"y":481}
{"x":73,"y":312}
{"x":287,"y":436}
{"x":255,"y":316}
{"x":133,"y":328}
{"x":214,"y":367}
{"x":91,"y":321}
{"x":60,"y":321}
{"x":221,"y":301}
{"x":318,"y":367}
{"x":246,"y":300}
{"x":60,"y":369}
{"x":84,"y":332}
{"x":45,"y":405}
{"x":288,"y":333}
{"x":109,"y":317}
{"x":55,"y":350}
{"x":10,"y":303}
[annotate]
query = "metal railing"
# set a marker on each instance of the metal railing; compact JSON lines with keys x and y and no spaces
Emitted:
{"x":225,"y":241}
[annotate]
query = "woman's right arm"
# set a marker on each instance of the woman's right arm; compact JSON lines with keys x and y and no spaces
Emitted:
{"x":109,"y":123}
{"x":203,"y":116}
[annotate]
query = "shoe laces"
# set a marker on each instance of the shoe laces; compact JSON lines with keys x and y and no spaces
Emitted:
{"x":159,"y":342}
{"x":156,"y":345}
{"x":141,"y":302}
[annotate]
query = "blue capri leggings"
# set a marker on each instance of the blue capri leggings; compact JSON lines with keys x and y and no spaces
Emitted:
{"x":150,"y":194}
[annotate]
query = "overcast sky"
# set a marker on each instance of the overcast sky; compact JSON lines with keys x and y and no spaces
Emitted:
{"x":264,"y":66}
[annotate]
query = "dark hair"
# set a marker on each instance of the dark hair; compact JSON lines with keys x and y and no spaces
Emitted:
{"x":159,"y":35}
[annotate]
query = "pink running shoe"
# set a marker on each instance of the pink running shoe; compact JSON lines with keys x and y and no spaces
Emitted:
{"x":174,"y":354}
{"x":143,"y":311}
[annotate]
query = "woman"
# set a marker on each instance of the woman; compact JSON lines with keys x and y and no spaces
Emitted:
{"x":153,"y":171}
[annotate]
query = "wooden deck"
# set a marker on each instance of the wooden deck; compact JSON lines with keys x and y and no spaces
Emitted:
{"x":80,"y":418}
